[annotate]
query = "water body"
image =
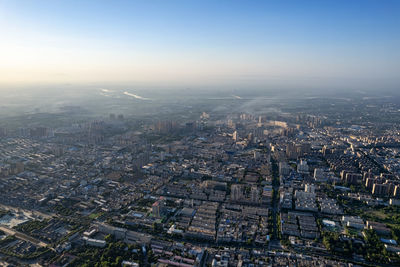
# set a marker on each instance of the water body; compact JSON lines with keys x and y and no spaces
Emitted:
{"x":136,"y":96}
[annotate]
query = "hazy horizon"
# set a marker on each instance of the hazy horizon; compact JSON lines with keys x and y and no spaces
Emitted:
{"x":271,"y":45}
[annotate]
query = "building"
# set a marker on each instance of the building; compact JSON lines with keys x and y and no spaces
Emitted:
{"x":302,"y":167}
{"x":284,"y":169}
{"x":353,"y":222}
{"x":236,"y":192}
{"x":380,"y":189}
{"x":353,"y":178}
{"x":369,"y":183}
{"x":291,"y":151}
{"x":319,"y":175}
{"x":309,"y":188}
{"x":254,"y":194}
{"x":235,"y":136}
{"x":158,"y":208}
{"x":94,"y":242}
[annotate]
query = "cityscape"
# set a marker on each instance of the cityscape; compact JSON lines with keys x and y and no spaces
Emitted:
{"x":289,"y":186}
{"x":203,"y":162}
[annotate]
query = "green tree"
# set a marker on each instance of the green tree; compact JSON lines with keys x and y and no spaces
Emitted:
{"x":108,"y":238}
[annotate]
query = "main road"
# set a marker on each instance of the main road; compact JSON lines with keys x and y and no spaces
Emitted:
{"x":23,"y":236}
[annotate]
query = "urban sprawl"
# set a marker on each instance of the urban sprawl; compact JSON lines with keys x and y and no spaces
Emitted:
{"x":233,"y":189}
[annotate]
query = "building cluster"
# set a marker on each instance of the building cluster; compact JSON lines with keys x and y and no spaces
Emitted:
{"x":233,"y":190}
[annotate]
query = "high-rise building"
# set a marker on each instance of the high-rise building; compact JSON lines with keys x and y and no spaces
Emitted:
{"x":367,"y":175}
{"x":17,"y":167}
{"x":380,"y":189}
{"x":353,"y":178}
{"x":254,"y":194}
{"x":302,"y":167}
{"x":231,"y":124}
{"x":396,"y":192}
{"x":236,"y":192}
{"x":256,"y":154}
{"x":235,"y":136}
{"x":303,"y":149}
{"x":319,"y":175}
{"x":291,"y":151}
{"x":284,"y":169}
{"x":309,"y":188}
{"x":158,"y":207}
{"x":369,"y":183}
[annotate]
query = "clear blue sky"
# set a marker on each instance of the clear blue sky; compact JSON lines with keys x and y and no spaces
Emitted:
{"x":188,"y":42}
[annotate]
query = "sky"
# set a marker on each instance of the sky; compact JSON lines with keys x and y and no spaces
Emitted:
{"x":331,"y":43}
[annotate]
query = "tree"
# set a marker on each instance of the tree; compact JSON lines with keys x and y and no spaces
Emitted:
{"x":118,"y":261}
{"x":108,"y":238}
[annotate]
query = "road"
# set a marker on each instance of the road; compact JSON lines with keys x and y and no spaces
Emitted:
{"x":275,"y":204}
{"x":23,"y":236}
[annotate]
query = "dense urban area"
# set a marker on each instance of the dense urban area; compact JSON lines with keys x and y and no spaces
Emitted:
{"x":207,"y":182}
